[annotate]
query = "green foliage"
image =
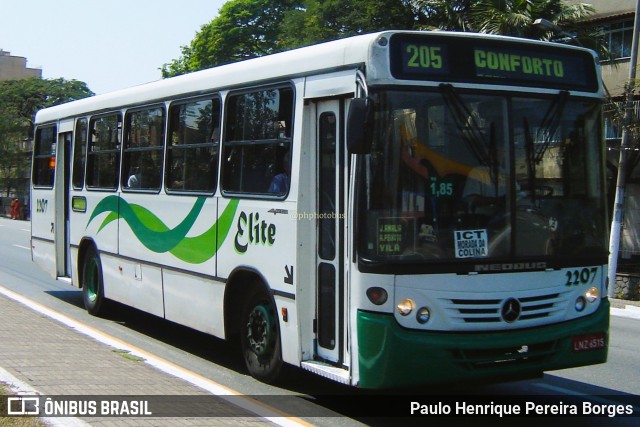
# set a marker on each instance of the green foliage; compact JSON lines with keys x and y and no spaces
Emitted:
{"x":319,"y":21}
{"x":506,"y":17}
{"x":19,"y":102}
{"x":450,"y":15}
{"x":244,"y":29}
{"x":516,"y":17}
{"x":21,"y":99}
{"x":249,"y":28}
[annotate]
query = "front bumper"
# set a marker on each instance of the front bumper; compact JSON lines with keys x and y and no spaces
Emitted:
{"x":392,"y":356}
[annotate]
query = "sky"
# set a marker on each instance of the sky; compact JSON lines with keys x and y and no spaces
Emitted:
{"x":108,"y":44}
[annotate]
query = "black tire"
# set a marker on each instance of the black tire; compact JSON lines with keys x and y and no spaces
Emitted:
{"x":260,"y":337}
{"x":92,"y":283}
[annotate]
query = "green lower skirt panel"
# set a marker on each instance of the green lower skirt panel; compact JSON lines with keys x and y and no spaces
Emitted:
{"x":391,"y":356}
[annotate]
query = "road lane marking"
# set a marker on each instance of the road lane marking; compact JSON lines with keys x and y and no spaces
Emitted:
{"x":590,"y":397}
{"x":22,"y":247}
{"x":251,"y":405}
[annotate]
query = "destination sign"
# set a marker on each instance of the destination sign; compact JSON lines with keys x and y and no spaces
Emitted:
{"x":437,"y":57}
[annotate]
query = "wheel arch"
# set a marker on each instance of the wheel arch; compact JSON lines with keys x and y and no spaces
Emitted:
{"x":239,"y":284}
{"x":84,"y":246}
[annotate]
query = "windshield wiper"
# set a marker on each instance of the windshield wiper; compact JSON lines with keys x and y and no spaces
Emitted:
{"x":550,"y":123}
{"x":466,"y":124}
{"x":484,"y":150}
{"x":545,"y":133}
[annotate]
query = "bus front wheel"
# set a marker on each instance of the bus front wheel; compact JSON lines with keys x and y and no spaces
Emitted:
{"x":92,"y":283}
{"x":260,"y":337}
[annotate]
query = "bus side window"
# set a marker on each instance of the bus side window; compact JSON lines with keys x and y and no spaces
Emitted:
{"x":79,"y":153}
{"x":103,"y":157}
{"x":45,"y":156}
{"x":142,"y":157}
{"x":257,"y":142}
{"x":193,"y":146}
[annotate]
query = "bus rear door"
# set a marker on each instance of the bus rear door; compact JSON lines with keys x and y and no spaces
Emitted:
{"x":50,"y":198}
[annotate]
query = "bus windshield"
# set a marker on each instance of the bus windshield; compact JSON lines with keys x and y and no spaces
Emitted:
{"x":468,"y":176}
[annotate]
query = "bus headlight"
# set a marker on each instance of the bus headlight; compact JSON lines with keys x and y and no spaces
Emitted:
{"x":592,"y":294}
{"x":581,"y":303}
{"x":406,"y":306}
{"x":423,"y":315}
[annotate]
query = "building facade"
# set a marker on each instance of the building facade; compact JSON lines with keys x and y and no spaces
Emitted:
{"x":616,"y":18}
{"x":15,"y":67}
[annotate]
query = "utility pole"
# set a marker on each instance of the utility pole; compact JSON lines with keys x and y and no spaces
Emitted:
{"x":618,"y":207}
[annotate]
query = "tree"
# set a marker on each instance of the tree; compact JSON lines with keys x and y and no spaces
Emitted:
{"x":247,"y":29}
{"x":19,"y":102}
{"x":450,"y":15}
{"x":516,"y":17}
{"x":319,"y":21}
{"x":244,"y":29}
{"x":21,"y":99}
{"x":505,"y":17}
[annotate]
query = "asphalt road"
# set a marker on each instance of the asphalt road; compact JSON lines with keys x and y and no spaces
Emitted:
{"x":323,"y":402}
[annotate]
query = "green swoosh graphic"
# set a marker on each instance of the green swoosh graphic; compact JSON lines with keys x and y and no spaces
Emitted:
{"x":159,"y":238}
{"x":203,"y":247}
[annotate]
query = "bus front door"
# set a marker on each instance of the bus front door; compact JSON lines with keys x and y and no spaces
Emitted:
{"x":330,"y":308}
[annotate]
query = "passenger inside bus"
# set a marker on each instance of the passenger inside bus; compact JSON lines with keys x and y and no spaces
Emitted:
{"x":134,"y":178}
{"x":280,"y":182}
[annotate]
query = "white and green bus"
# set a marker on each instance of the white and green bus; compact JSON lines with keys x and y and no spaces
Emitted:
{"x":386,"y":210}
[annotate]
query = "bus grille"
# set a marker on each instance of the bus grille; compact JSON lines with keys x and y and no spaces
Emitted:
{"x":489,"y":358}
{"x":489,"y":310}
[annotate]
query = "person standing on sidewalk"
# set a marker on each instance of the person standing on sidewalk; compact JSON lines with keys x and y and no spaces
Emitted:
{"x":15,"y":209}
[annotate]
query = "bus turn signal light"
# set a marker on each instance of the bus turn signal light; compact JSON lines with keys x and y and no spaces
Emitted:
{"x":377,"y":295}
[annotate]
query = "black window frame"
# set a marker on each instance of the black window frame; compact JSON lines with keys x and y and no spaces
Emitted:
{"x":145,"y":150}
{"x":80,"y":142}
{"x":185,"y":184}
{"x":43,"y":174}
{"x":95,"y":152}
{"x":272,"y":150}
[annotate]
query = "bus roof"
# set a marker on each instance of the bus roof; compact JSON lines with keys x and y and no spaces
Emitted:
{"x":333,"y":55}
{"x":338,"y":54}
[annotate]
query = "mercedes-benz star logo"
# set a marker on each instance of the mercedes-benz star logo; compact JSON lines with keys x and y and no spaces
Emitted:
{"x":511,"y":310}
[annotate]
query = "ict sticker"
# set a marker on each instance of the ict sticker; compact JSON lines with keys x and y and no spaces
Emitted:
{"x":471,"y":243}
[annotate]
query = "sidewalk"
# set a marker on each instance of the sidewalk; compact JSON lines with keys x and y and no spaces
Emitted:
{"x":622,"y":303}
{"x":54,"y":359}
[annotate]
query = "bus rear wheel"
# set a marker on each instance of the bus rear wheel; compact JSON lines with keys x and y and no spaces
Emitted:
{"x":260,"y":337}
{"x":92,"y":283}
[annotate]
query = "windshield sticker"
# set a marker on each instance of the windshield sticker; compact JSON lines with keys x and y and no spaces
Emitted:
{"x":395,"y":235}
{"x":471,"y":243}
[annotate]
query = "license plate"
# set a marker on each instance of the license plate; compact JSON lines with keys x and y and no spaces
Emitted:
{"x":589,"y":342}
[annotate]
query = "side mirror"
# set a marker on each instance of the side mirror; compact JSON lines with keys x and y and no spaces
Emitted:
{"x":360,"y":126}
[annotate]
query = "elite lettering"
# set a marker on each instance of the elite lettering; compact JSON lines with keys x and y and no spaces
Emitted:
{"x":253,"y":231}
